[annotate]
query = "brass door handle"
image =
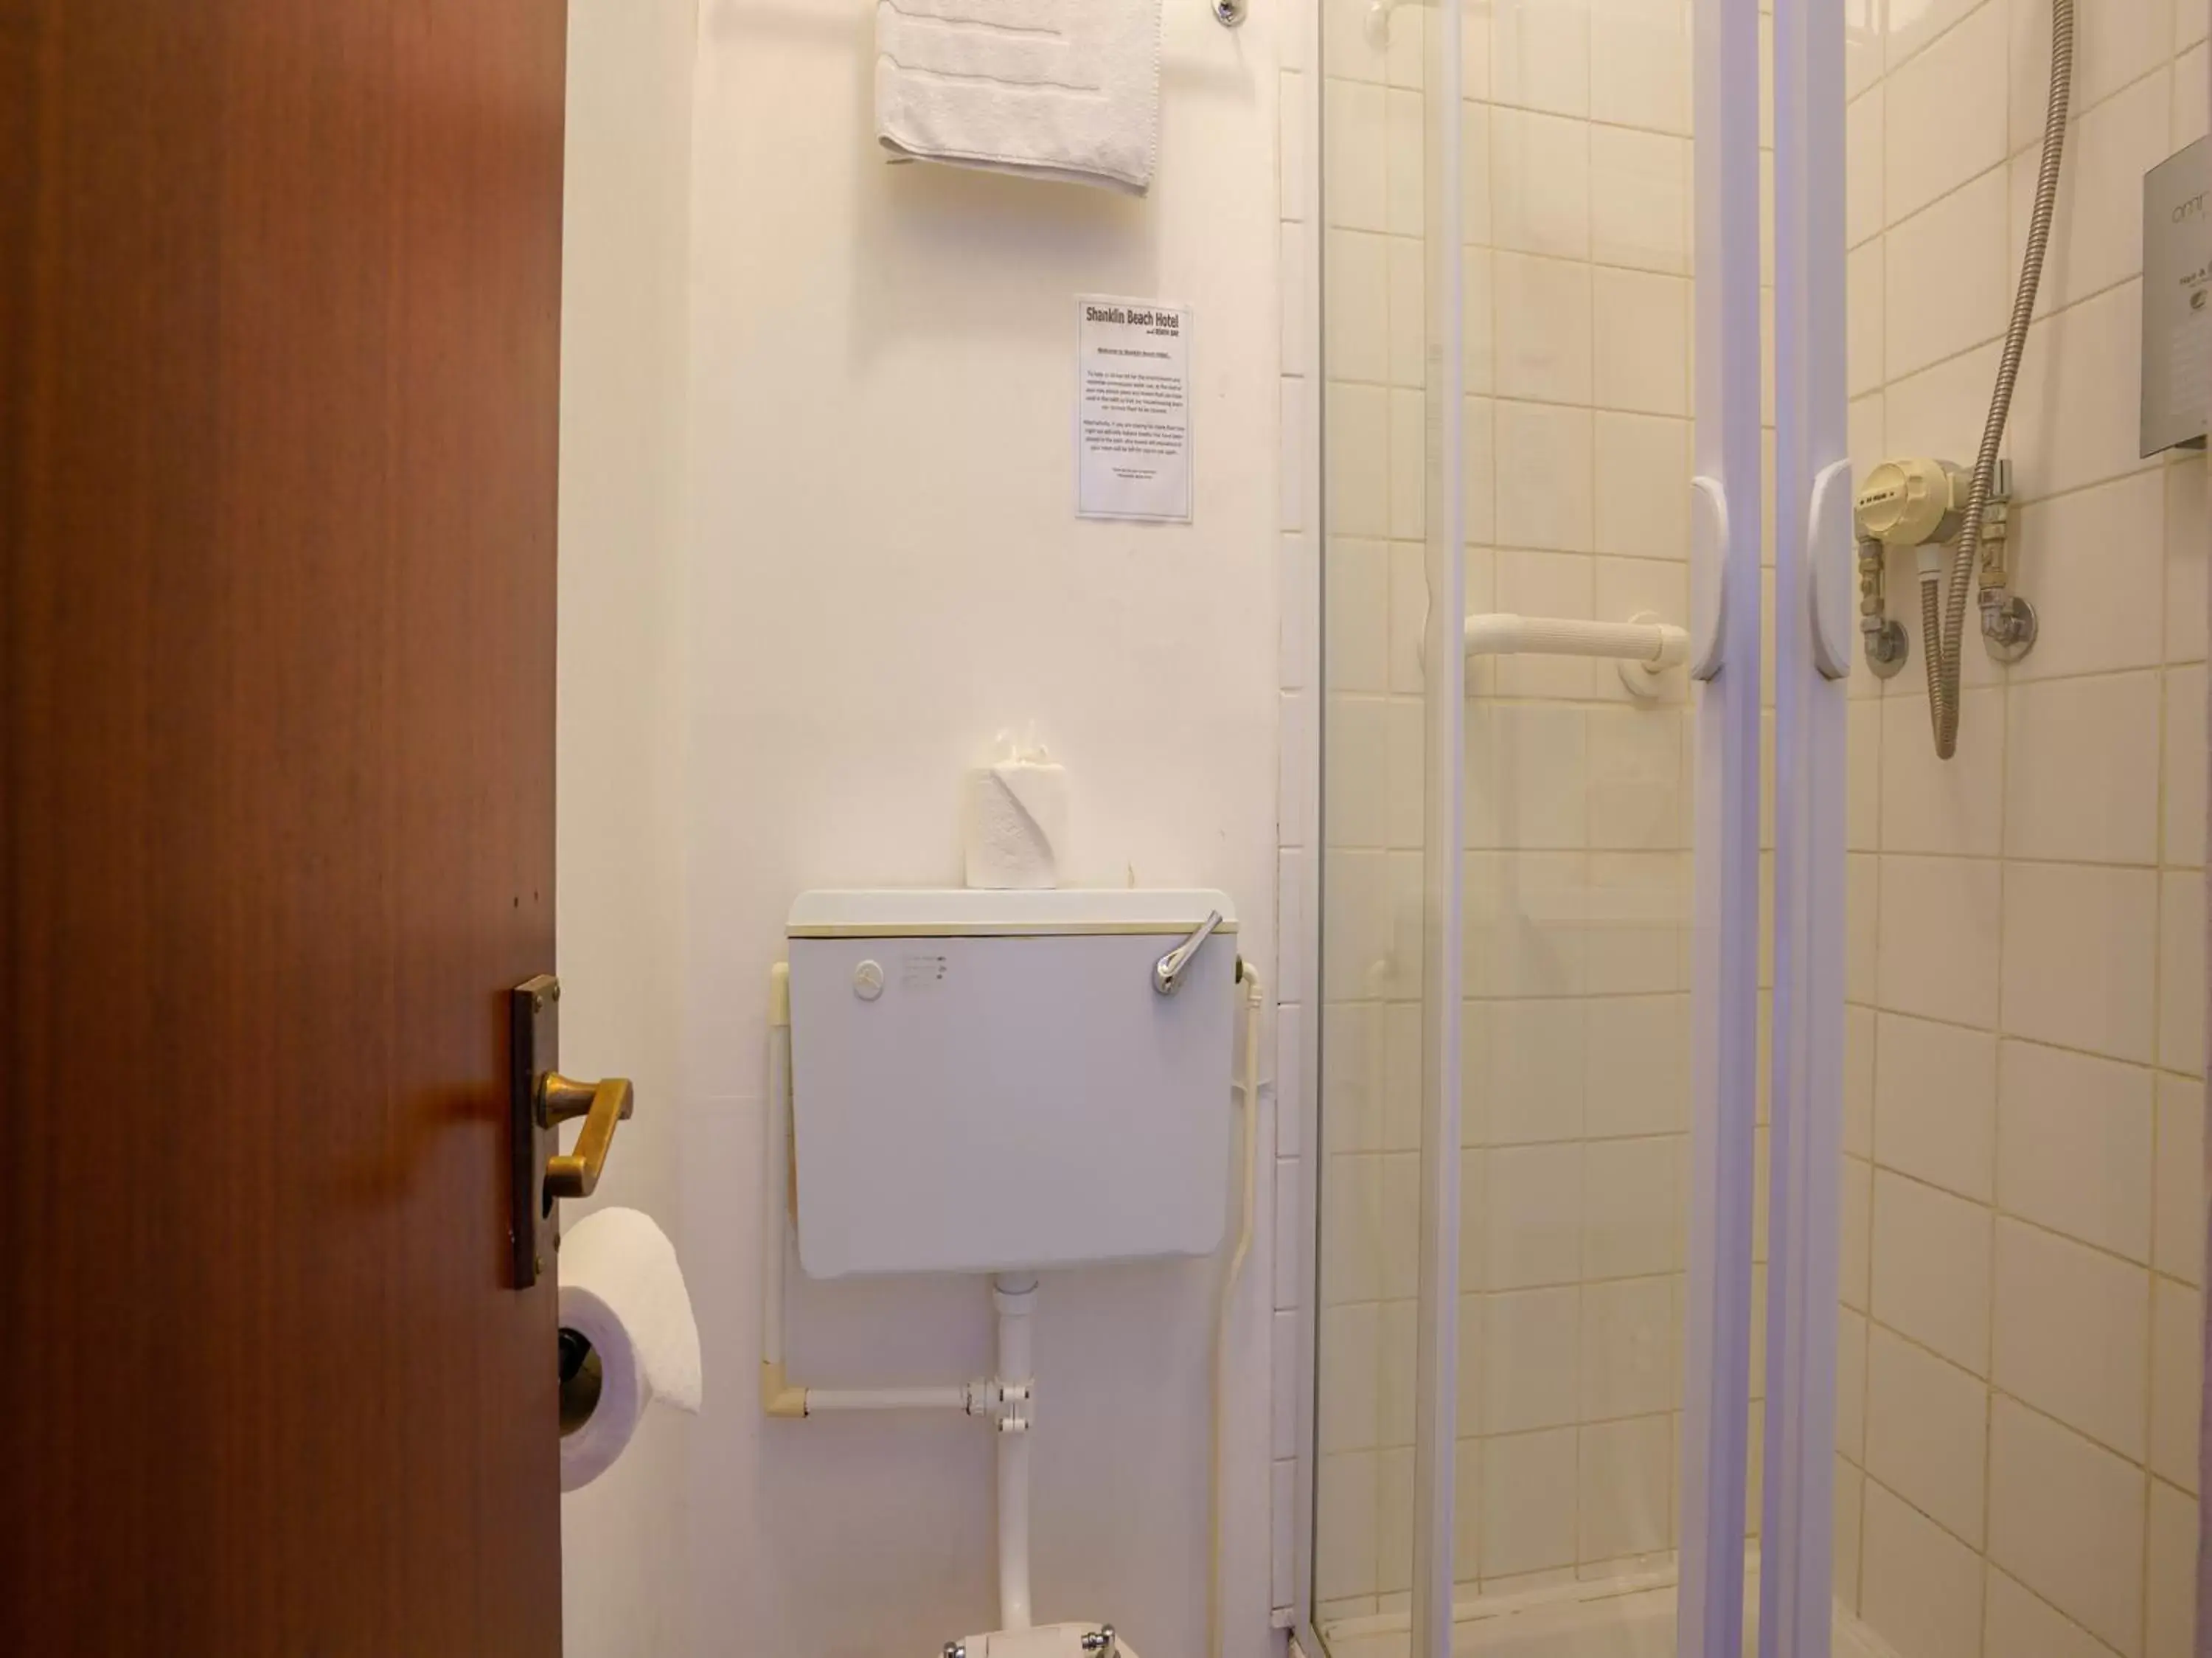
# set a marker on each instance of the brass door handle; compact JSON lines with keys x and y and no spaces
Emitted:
{"x":601,"y":1105}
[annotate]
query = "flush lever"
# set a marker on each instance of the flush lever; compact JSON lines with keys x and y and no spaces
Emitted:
{"x":1167,"y":972}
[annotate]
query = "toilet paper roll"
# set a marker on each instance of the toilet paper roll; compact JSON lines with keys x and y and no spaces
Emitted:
{"x":1017,"y":819}
{"x":622,"y":1293}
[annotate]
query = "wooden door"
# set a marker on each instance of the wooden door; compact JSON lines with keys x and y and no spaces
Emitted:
{"x":279,"y":296}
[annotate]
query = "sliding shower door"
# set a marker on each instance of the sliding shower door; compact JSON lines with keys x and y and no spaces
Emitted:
{"x":1539,"y":1130}
{"x":1816,"y":642}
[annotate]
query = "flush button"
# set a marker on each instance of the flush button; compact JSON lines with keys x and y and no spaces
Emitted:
{"x":868,"y":980}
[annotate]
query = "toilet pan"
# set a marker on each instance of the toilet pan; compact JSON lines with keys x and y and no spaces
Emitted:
{"x":1048,"y":1641}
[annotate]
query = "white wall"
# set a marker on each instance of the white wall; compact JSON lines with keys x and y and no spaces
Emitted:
{"x":883,"y":569}
{"x":624,"y":341}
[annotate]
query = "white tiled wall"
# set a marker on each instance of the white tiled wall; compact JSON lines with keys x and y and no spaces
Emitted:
{"x":2022,"y":1201}
{"x":1577,"y":379}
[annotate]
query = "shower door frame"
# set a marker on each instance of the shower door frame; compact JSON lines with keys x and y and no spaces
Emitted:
{"x":1815,"y":641}
{"x":1725,"y":581}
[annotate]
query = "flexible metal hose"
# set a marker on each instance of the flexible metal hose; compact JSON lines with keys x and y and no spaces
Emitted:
{"x":1942,"y":633}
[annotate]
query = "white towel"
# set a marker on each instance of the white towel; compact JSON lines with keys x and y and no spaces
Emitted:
{"x":1053,"y":88}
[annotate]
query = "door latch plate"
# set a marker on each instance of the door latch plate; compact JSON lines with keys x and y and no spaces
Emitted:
{"x":533,"y":1053}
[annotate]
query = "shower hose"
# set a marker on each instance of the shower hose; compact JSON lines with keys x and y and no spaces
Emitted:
{"x":1943,"y":615}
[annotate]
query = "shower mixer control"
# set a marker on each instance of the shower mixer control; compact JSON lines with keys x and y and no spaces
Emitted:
{"x":1913,"y":503}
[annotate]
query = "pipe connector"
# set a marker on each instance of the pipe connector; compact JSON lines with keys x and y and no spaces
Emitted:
{"x":778,"y":1396}
{"x":2009,"y":625}
{"x":1886,"y":647}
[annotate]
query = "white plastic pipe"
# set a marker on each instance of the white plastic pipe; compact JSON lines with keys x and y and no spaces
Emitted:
{"x":821,"y":1401}
{"x":1248,"y":1155}
{"x":779,"y":1398}
{"x":775,"y":1158}
{"x":1655,"y":644}
{"x":1014,"y":1295}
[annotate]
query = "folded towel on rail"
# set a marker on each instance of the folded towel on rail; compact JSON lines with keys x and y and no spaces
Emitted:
{"x":1065,"y":89}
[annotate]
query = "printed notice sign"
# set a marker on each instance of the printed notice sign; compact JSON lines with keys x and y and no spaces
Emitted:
{"x":1133,"y":416}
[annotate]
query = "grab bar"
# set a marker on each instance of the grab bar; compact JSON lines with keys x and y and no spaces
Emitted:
{"x":1644,"y":646}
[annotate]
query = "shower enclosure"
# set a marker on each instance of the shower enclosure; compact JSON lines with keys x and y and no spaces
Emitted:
{"x":1708,"y":1201}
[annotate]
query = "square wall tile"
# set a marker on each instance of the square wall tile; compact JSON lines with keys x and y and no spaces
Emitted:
{"x":1950,"y":268}
{"x":1864,"y":326}
{"x":1643,"y":463}
{"x":1863,"y":165}
{"x":1935,"y":1104}
{"x":1640,"y":64}
{"x":1918,"y":1585}
{"x":1629,"y":1344}
{"x":1926,"y":1432}
{"x":2082,"y":769}
{"x":2072,"y":1334}
{"x":1532,"y":1209}
{"x":2066,"y":1518}
{"x":1536,"y":1071}
{"x":2074,"y":1146}
{"x":1467,"y":1509}
{"x":2077,"y":413}
{"x":1527,"y":1508}
{"x":1405,"y":146}
{"x":1544,"y":461}
{"x":2182,"y":839}
{"x":1531,"y":1360}
{"x":1356,"y":320}
{"x":1631,"y":1207}
{"x":2094,"y":562}
{"x":1543,"y":327}
{"x":1348,"y":1354}
{"x":1626,"y":1495}
{"x":2170,"y":1580}
{"x":1850,"y":1497}
{"x":2081,"y":957}
{"x":1850,"y":1384}
{"x":2188,"y":538}
{"x":1642,"y":341}
{"x":1908,"y":29}
{"x":2178,"y":1218}
{"x":1859,"y":1024}
{"x":2096,"y":236}
{"x":1640,"y":199}
{"x":1856,"y":1250}
{"x":1354,"y":165}
{"x":1344,"y":1525}
{"x":1539,"y":55}
{"x":1359,"y":459}
{"x":1947,"y":115}
{"x":1408,"y":312}
{"x":1637,"y":779}
{"x":1643,"y":900}
{"x":1352,"y":1229}
{"x":1938,"y":950}
{"x":2113,"y":47}
{"x":1636,"y":1066}
{"x":2017,"y":1622}
{"x":2177,"y":1380}
{"x":1540,"y":182}
{"x":1931,"y":1269}
{"x":1393,"y":1521}
{"x":2181,"y":972}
